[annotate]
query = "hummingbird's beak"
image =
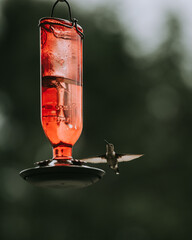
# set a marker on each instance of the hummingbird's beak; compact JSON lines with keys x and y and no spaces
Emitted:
{"x":106,"y":141}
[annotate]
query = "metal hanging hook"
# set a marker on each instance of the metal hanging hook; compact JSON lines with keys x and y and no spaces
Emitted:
{"x":69,"y":8}
{"x":73,"y":20}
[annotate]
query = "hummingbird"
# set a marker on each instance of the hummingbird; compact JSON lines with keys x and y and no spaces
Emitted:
{"x":111,"y":157}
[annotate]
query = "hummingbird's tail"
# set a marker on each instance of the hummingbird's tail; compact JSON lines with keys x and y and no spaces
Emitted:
{"x":117,"y":171}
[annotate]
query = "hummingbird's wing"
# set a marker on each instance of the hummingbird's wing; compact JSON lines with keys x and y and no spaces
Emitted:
{"x":127,"y":157}
{"x":97,"y":159}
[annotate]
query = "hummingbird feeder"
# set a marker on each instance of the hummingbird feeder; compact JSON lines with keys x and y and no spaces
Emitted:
{"x":61,"y":104}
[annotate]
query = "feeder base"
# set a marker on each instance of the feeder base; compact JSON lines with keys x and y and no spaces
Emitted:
{"x":70,"y":176}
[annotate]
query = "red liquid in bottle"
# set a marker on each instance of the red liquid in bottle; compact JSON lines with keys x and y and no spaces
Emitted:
{"x":61,"y":113}
{"x":61,"y":90}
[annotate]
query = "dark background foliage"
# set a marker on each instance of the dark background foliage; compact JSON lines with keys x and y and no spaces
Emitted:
{"x":140,"y":104}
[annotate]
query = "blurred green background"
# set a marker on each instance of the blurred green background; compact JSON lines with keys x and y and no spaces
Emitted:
{"x":141,"y":103}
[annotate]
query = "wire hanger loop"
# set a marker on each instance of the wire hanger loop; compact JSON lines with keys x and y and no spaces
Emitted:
{"x":73,"y":20}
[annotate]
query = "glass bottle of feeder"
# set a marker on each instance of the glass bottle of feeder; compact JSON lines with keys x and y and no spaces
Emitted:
{"x":61,"y":104}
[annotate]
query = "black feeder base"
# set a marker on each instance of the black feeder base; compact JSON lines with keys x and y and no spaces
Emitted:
{"x":70,"y":176}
